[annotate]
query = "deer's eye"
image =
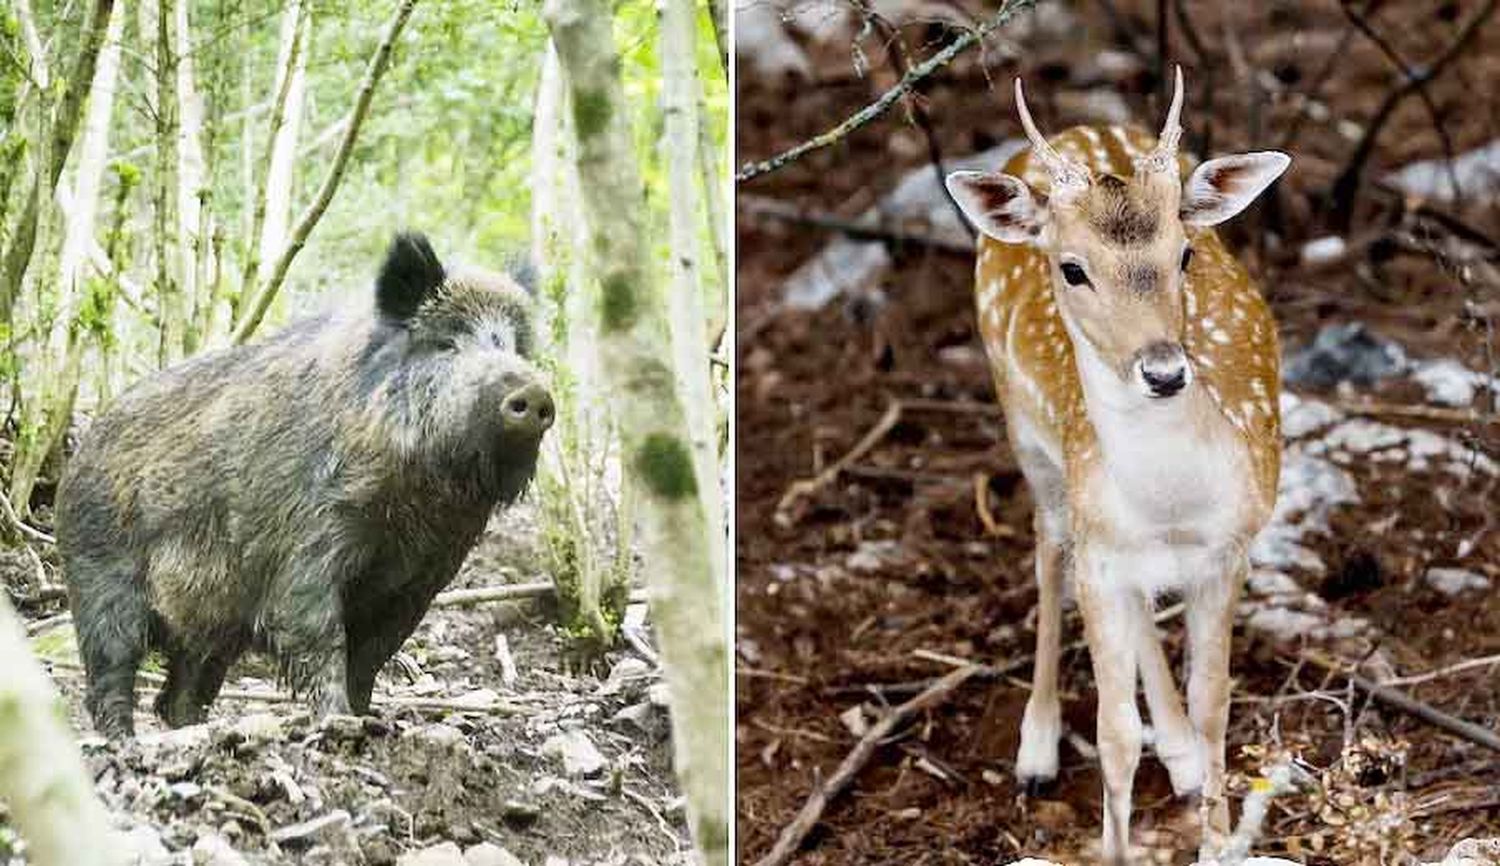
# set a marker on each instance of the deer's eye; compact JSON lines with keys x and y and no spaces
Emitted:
{"x":1074,"y":274}
{"x":1187,"y":258}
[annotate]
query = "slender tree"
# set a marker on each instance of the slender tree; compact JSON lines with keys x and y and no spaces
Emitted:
{"x":53,"y":385}
{"x":687,"y":601}
{"x":265,"y":293}
{"x":59,"y":128}
{"x":690,"y":341}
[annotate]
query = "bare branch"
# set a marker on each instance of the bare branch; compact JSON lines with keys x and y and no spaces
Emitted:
{"x":309,"y":218}
{"x":880,"y":106}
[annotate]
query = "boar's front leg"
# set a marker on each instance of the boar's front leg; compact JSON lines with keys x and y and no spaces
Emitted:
{"x":376,"y":635}
{"x":304,"y":623}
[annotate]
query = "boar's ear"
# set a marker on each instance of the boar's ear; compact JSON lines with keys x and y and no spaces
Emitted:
{"x":411,"y":270}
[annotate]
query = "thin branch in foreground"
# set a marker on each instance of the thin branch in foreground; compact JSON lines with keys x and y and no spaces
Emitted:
{"x":794,"y":833}
{"x":880,"y":106}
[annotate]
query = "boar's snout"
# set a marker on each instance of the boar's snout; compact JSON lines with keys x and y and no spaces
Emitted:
{"x":529,"y":410}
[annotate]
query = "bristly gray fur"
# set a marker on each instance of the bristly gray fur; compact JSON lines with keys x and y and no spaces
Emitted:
{"x":308,"y":494}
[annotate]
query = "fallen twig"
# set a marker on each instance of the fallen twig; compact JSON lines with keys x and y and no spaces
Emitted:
{"x":880,"y":106}
{"x":807,"y":486}
{"x":1409,"y":705}
{"x":794,"y":833}
{"x":466,"y":597}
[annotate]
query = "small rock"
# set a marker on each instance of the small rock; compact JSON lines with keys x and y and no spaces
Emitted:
{"x":519,"y":813}
{"x":444,"y":854}
{"x":251,"y":732}
{"x":1448,"y":382}
{"x":478,"y":699}
{"x":554,"y":860}
{"x":871,"y":555}
{"x":1285,"y":625}
{"x":659,"y":695}
{"x":211,"y":849}
{"x":1456,"y":581}
{"x":626,"y":670}
{"x":186,"y":791}
{"x":143,"y":846}
{"x":489,"y":854}
{"x":635,"y":714}
{"x":437,"y":736}
{"x":1473,"y":852}
{"x":340,"y":728}
{"x":578,"y":754}
{"x":1324,"y":249}
{"x":1344,"y":352}
{"x":1269,"y":582}
{"x":308,"y":833}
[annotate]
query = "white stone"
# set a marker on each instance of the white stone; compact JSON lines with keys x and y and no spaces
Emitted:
{"x":1301,"y":416}
{"x":1448,"y":382}
{"x":577,"y":752}
{"x":1456,"y":581}
{"x":444,"y":854}
{"x":211,"y":849}
{"x":490,"y":854}
{"x":1324,"y":249}
{"x":1285,"y":625}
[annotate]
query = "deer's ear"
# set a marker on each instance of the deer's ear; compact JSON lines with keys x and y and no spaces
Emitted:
{"x":999,"y":205}
{"x":1221,"y":188}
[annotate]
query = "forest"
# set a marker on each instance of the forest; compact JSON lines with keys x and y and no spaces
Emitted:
{"x":179,"y":180}
{"x":889,"y":624}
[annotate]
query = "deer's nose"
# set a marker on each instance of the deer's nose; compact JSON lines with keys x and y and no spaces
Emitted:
{"x":1164,"y":369}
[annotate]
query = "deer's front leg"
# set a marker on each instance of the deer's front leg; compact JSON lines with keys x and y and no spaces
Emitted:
{"x":1041,"y":727}
{"x":1210,"y":625}
{"x":1112,"y":614}
{"x":1177,"y":742}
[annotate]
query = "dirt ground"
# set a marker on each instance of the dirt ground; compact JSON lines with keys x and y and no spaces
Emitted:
{"x":837,"y":593}
{"x":557,"y":766}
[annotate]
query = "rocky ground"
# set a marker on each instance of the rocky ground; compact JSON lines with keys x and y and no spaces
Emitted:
{"x":486,"y":749}
{"x":855,"y":295}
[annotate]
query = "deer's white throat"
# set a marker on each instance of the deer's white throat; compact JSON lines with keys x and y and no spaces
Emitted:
{"x":1172,"y":476}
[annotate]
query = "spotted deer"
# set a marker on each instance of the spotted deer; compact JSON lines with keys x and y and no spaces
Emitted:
{"x":1137,"y":366}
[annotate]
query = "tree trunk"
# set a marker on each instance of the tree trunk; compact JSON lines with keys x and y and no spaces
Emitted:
{"x":282,"y":166}
{"x":293,"y":45}
{"x":42,"y":778}
{"x":266,"y":293}
{"x":687,"y":601}
{"x":690,"y":345}
{"x":169,"y":310}
{"x":192,"y":215}
{"x":715,"y":183}
{"x":58,"y":135}
{"x":57,"y":366}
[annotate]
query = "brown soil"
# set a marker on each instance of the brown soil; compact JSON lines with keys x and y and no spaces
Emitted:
{"x":824,"y":611}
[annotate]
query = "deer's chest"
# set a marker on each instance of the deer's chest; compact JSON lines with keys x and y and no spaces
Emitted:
{"x":1171,"y":489}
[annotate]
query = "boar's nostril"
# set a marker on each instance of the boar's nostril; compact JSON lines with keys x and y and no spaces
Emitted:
{"x":529,"y":410}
